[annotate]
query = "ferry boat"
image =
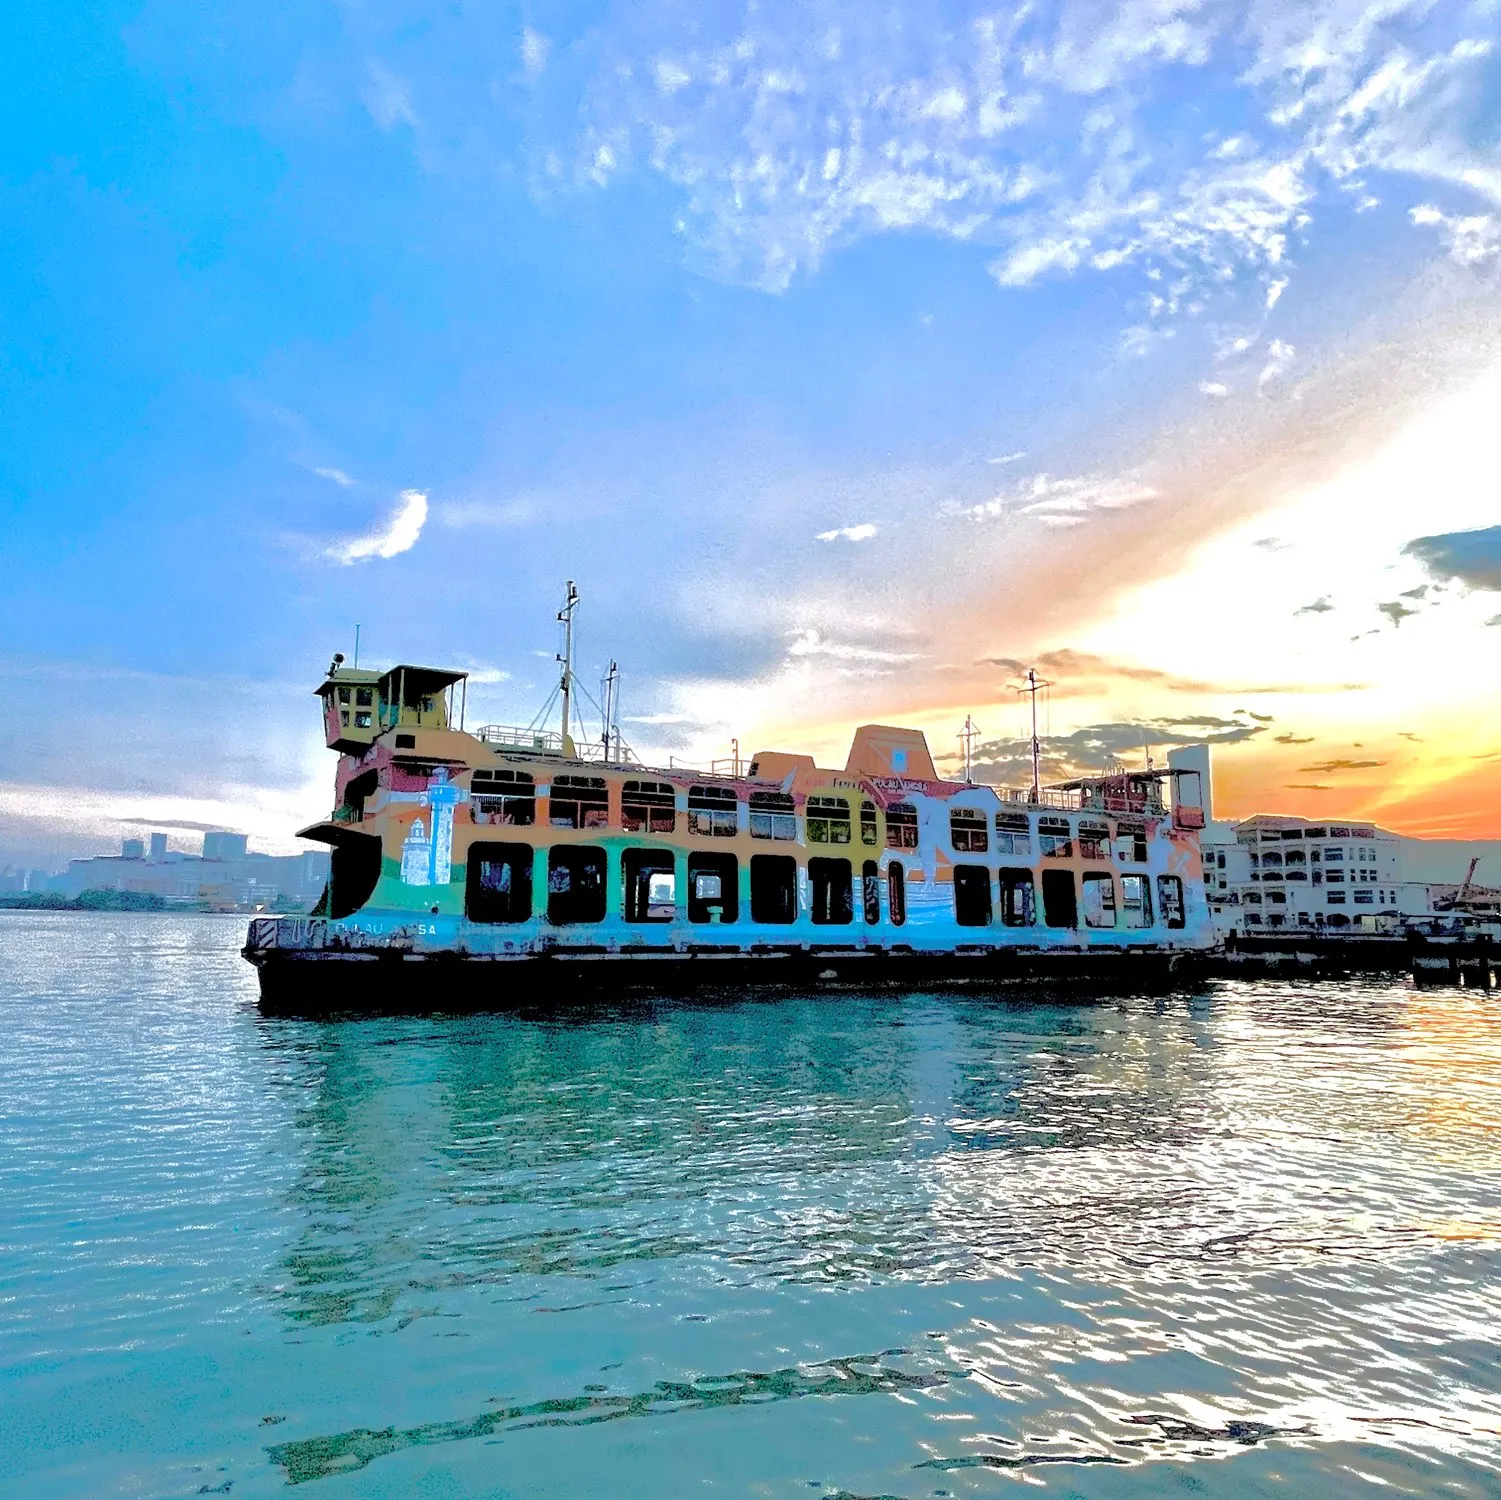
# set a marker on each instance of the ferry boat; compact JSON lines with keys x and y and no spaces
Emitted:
{"x":471,"y":867}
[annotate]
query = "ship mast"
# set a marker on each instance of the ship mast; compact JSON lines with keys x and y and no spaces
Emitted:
{"x":1034,"y":685}
{"x":967,"y":736}
{"x":565,"y":618}
{"x":612,"y":689}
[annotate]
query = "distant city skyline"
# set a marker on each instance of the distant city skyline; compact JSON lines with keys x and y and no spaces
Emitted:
{"x":851,"y":361}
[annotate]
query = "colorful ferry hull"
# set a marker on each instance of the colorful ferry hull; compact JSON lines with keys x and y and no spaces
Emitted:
{"x":480,"y":867}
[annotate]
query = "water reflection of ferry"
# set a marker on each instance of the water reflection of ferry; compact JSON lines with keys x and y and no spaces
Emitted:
{"x":488,"y":861}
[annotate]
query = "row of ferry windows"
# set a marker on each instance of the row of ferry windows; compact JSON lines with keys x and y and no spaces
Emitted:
{"x":508,"y":798}
{"x":500,"y":881}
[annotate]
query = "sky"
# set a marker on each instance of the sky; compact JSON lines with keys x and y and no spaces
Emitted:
{"x":851,"y":357}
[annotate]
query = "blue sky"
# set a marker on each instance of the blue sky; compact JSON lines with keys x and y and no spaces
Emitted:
{"x":837,"y":351}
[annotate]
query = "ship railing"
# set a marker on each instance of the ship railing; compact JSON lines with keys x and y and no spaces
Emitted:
{"x":1047,"y":797}
{"x":512,"y":737}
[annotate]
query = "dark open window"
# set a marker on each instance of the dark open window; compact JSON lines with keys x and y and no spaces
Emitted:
{"x":579,"y":802}
{"x":648,"y":892}
{"x":713,"y":888}
{"x":498,"y":883}
{"x":1018,"y":898}
{"x":831,"y":886}
{"x":353,"y":869}
{"x":1013,"y":833}
{"x":896,"y":894}
{"x":504,"y":797}
{"x":772,"y":816}
{"x":967,"y":831}
{"x":901,"y":826}
{"x":711,"y":812}
{"x":1060,"y":906}
{"x":828,"y":820}
{"x":972,"y":896}
{"x":773,"y":888}
{"x":1099,"y":901}
{"x":575,"y":884}
{"x":1055,"y":842}
{"x":868,"y":823}
{"x":648,"y":807}
{"x":355,"y":792}
{"x":1170,"y":898}
{"x":870,"y":888}
{"x":1136,"y":900}
{"x":1094,"y":840}
{"x":1131,"y":842}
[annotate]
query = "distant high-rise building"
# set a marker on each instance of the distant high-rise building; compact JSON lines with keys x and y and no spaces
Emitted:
{"x":158,"y":846}
{"x":219,"y":845}
{"x":133,"y":849}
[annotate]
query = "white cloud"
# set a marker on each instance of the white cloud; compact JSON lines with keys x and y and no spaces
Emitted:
{"x":388,"y":97}
{"x":338,"y":476}
{"x":461,"y":514}
{"x":1008,"y":458}
{"x":1214,"y":388}
{"x":1059,"y":502}
{"x":1471,"y":240}
{"x":1279,"y":358}
{"x":813,"y":643}
{"x":398,"y":535}
{"x":861,"y":533}
{"x":1041,"y":131}
{"x":534,"y":51}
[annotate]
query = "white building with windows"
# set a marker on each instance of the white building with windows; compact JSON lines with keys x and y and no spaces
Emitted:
{"x":1288,"y":872}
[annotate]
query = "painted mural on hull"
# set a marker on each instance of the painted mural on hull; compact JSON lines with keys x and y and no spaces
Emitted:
{"x":508,"y":843}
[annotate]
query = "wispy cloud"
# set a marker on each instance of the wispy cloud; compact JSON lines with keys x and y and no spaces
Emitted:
{"x":861,"y":533}
{"x":399,"y":533}
{"x":336,"y":476}
{"x":792,"y":130}
{"x":1058,"y":502}
{"x":461,"y":514}
{"x":1470,"y":239}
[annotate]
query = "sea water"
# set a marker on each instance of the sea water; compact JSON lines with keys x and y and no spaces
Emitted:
{"x":1241,"y":1240}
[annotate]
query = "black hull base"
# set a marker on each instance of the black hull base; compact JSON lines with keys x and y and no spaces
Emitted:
{"x":325,"y":984}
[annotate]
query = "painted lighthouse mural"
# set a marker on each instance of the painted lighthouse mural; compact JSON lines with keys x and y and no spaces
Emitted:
{"x":427,"y":853}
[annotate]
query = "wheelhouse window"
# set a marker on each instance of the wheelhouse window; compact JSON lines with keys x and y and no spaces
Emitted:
{"x":967,"y":831}
{"x":1136,"y":900}
{"x":1094,"y":840}
{"x":1060,"y":904}
{"x":831,"y":886}
{"x":712,"y":812}
{"x":648,"y":807}
{"x":773,"y":888}
{"x":828,"y":820}
{"x":972,"y":906}
{"x":896,"y":894}
{"x":575,"y":884}
{"x":1018,"y":899}
{"x":1170,"y":899}
{"x":648,"y":887}
{"x":870,"y":888}
{"x":498,"y":882}
{"x":505,"y":797}
{"x":1055,"y":841}
{"x":1099,"y":899}
{"x":901,"y":826}
{"x":1013,"y":834}
{"x":868,"y":831}
{"x":578,"y":802}
{"x":713,"y":888}
{"x":772,"y":816}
